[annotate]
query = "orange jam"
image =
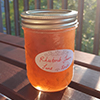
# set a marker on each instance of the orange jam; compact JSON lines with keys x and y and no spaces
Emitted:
{"x":49,"y":47}
{"x":38,"y":41}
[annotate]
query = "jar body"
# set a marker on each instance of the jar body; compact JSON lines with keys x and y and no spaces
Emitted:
{"x":39,"y":41}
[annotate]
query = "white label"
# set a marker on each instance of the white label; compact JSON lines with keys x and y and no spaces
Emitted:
{"x":54,"y":60}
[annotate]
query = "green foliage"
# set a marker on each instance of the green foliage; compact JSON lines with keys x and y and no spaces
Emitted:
{"x":88,"y":25}
{"x":21,"y":9}
{"x":31,"y":4}
{"x":12,"y":17}
{"x":43,"y":4}
{"x":73,"y":4}
{"x":4,"y":24}
{"x":88,"y":22}
{"x":57,"y":4}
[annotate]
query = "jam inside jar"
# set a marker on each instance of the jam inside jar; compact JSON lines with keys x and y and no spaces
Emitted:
{"x":49,"y":50}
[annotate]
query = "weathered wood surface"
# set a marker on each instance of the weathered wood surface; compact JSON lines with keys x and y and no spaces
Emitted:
{"x":12,"y":77}
{"x":64,"y":4}
{"x":66,"y":94}
{"x":50,"y":4}
{"x":18,"y":55}
{"x":17,"y":76}
{"x":12,"y":40}
{"x":84,"y":80}
{"x":26,"y":5}
{"x":37,"y":4}
{"x":82,"y":57}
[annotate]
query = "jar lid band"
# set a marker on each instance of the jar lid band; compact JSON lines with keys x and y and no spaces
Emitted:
{"x":49,"y":19}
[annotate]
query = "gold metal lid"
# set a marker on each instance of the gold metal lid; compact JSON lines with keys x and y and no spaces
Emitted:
{"x":49,"y":19}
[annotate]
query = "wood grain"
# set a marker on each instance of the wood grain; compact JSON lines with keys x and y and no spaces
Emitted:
{"x":37,"y":4}
{"x":67,"y":94}
{"x":26,"y":5}
{"x":87,"y":77}
{"x":81,"y":58}
{"x":84,"y":80}
{"x":14,"y":54}
{"x":12,"y":40}
{"x":64,"y":4}
{"x":50,"y":4}
{"x":28,"y":90}
{"x":12,"y":77}
{"x":87,"y":58}
{"x":10,"y":93}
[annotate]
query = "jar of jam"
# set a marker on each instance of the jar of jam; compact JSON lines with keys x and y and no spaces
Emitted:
{"x":49,"y":47}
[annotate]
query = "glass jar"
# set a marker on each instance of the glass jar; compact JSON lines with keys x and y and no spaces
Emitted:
{"x":49,"y":47}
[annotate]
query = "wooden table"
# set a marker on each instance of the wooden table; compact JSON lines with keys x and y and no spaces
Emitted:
{"x":14,"y":84}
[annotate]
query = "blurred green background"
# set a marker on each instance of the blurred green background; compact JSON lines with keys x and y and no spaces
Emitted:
{"x":88,"y":18}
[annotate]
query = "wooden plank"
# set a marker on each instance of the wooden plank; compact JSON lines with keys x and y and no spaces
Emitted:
{"x":8,"y":52}
{"x":3,"y":97}
{"x":10,"y":93}
{"x":12,"y":79}
{"x":85,"y":89}
{"x":1,"y":24}
{"x":28,"y":90}
{"x":12,"y":55}
{"x":81,"y":58}
{"x":94,"y":67}
{"x":87,"y":59}
{"x":16,"y":18}
{"x":22,"y":65}
{"x":10,"y":58}
{"x":80,"y":20}
{"x":64,"y":4}
{"x":97,"y":30}
{"x":13,"y":62}
{"x":37,"y":4}
{"x":50,"y":4}
{"x":26,"y":5}
{"x":76,"y":95}
{"x":11,"y":74}
{"x":17,"y":60}
{"x":7,"y":17}
{"x":66,"y":94}
{"x":12,"y":40}
{"x":87,"y":77}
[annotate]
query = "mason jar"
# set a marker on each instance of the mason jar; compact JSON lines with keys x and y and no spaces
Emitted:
{"x":49,"y":47}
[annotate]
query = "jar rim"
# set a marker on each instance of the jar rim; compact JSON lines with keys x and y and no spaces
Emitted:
{"x":48,"y":19}
{"x":49,"y":14}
